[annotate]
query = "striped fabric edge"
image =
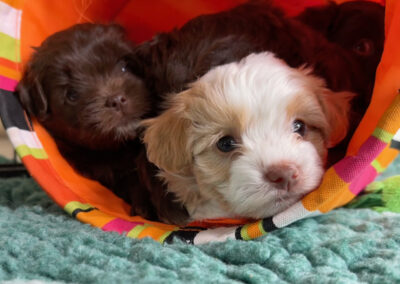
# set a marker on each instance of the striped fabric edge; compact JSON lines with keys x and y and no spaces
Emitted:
{"x":10,"y":33}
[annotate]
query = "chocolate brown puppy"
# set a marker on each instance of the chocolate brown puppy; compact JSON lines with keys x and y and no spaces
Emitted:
{"x":358,"y":27}
{"x":77,"y":84}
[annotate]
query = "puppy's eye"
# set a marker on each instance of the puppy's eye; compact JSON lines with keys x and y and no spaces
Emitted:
{"x":226,"y":144}
{"x":299,"y":127}
{"x":72,"y":96}
{"x":364,"y":47}
{"x":123,"y":66}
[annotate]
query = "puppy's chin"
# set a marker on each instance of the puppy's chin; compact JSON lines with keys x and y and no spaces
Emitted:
{"x":117,"y":131}
{"x":111,"y":137}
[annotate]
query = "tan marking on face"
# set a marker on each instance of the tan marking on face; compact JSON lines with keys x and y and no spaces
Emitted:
{"x":213,"y":118}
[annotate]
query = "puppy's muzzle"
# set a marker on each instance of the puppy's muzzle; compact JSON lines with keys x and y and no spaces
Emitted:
{"x":117,"y":102}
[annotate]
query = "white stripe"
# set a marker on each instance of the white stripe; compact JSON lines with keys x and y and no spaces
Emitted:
{"x":292,"y":214}
{"x":10,"y":20}
{"x":20,"y":137}
{"x":215,"y":235}
{"x":396,"y":137}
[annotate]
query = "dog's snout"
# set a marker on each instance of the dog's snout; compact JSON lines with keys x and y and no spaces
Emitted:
{"x":282,"y":176}
{"x":116,"y":102}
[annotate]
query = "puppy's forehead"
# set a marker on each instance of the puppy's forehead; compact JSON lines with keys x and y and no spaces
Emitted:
{"x":256,"y":88}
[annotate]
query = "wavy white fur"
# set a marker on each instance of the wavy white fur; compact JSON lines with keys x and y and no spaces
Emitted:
{"x":255,"y":101}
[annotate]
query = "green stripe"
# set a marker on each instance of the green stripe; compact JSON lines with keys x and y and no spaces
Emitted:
{"x":9,"y":47}
{"x":378,"y":167}
{"x":383,"y":135}
{"x":260,"y":227}
{"x":134,"y":233}
{"x":73,"y":205}
{"x":243,"y":233}
{"x":37,"y":153}
{"x":164,"y":236}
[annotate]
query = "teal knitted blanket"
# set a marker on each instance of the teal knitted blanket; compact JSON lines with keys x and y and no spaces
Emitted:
{"x":38,"y":241}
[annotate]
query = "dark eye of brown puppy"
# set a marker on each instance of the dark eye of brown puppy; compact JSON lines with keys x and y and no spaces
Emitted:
{"x":299,"y":127}
{"x":72,"y":96}
{"x":364,"y":47}
{"x":226,"y":144}
{"x":122,"y":65}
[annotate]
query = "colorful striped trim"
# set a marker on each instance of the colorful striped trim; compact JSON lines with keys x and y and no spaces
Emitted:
{"x":26,"y":143}
{"x":10,"y":34}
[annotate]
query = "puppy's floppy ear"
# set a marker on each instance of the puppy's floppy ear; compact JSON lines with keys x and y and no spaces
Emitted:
{"x":166,"y":138}
{"x":31,"y":95}
{"x":336,"y":107}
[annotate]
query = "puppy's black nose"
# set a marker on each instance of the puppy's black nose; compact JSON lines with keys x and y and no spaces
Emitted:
{"x":116,"y":102}
{"x":282,"y":175}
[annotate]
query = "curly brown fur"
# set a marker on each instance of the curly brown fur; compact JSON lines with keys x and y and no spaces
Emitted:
{"x":78,"y":86}
{"x":172,"y":60}
{"x":358,"y":27}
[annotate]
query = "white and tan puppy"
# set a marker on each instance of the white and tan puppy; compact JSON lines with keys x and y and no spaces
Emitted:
{"x":248,"y":139}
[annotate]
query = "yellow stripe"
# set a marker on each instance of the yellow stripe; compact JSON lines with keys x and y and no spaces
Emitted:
{"x":9,"y":48}
{"x":10,"y":73}
{"x":164,"y":236}
{"x":134,"y":233}
{"x":243,"y":233}
{"x":24,"y":150}
{"x":377,"y":166}
{"x":73,"y":205}
{"x":383,"y":135}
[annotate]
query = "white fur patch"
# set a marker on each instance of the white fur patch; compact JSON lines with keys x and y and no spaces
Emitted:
{"x":248,"y":100}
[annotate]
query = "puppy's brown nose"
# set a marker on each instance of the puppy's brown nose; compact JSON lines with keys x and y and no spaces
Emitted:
{"x":116,"y":102}
{"x":282,"y":176}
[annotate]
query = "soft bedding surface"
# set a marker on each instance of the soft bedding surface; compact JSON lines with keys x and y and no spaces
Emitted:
{"x":39,"y":241}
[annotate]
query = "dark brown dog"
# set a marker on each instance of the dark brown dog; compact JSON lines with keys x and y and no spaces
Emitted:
{"x":358,"y":27}
{"x":77,"y":84}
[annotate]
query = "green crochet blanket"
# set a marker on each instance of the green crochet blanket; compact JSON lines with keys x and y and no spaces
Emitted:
{"x":38,"y":241}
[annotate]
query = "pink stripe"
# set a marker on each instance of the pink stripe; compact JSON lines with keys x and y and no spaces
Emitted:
{"x":363,"y":179}
{"x":120,"y":225}
{"x":7,"y":84}
{"x":349,"y":168}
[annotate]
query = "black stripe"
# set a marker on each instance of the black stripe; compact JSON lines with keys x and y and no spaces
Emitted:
{"x":268,"y":225}
{"x":79,"y":210}
{"x":395,"y":144}
{"x":186,"y":236}
{"x":238,"y":234}
{"x":11,"y":112}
